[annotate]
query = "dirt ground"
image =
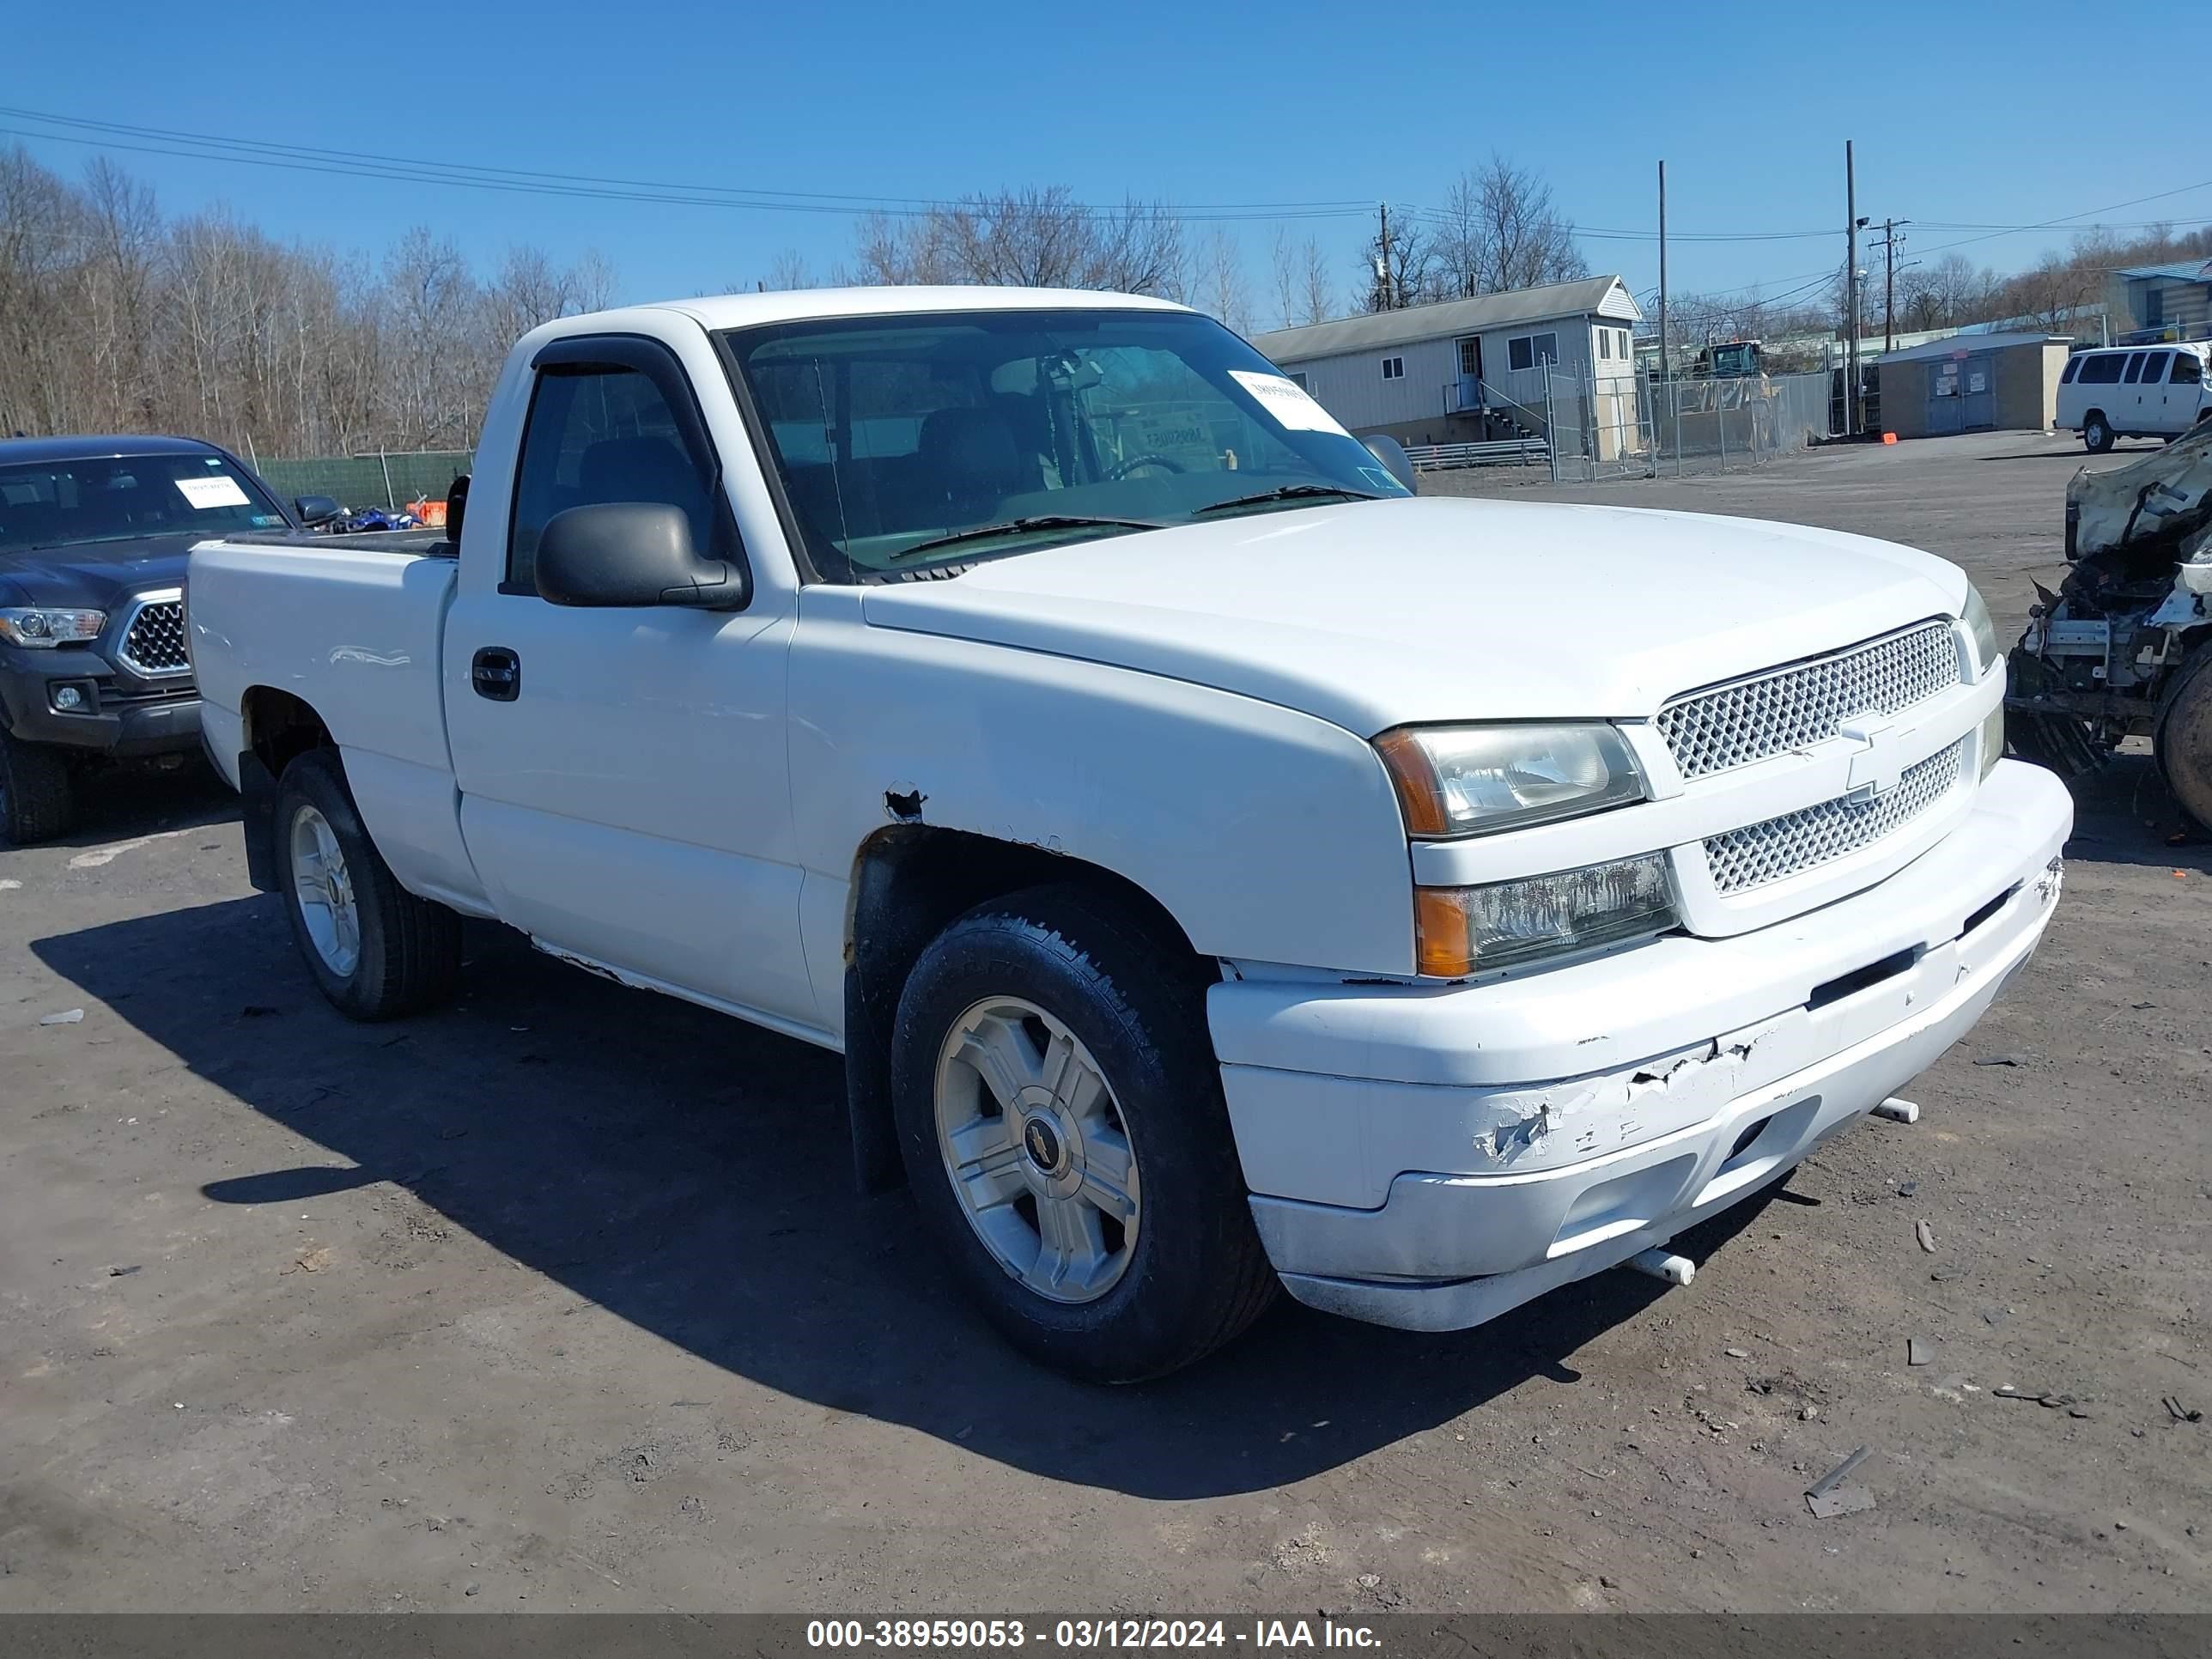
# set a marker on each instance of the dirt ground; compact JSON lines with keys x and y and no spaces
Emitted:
{"x":563,"y":1299}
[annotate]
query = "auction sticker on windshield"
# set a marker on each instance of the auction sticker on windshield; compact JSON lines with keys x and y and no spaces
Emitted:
{"x":1288,"y":402}
{"x":205,"y":493}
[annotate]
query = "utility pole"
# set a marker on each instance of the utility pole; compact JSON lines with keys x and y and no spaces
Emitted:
{"x":1662,"y":271}
{"x":1890,"y":241}
{"x":1385,"y":299}
{"x":1852,"y":289}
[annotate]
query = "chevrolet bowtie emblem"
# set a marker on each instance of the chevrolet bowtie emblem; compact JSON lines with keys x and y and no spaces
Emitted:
{"x":1878,"y":765}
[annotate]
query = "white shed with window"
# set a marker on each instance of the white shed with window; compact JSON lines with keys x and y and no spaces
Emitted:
{"x":1450,"y":372}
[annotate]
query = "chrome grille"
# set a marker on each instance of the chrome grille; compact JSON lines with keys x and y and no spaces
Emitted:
{"x":1760,"y":852}
{"x":1786,"y":708}
{"x":156,"y":642}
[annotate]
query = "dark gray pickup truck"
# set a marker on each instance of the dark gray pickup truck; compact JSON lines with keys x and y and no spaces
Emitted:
{"x":94,"y":534}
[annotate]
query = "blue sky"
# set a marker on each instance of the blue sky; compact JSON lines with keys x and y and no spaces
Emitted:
{"x":1958,"y":110}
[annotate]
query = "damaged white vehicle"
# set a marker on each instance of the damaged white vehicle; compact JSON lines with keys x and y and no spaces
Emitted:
{"x":1217,"y":866}
{"x":2123,"y":648}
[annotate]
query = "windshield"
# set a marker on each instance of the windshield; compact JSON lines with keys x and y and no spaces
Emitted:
{"x":118,"y":498}
{"x":906,"y":442}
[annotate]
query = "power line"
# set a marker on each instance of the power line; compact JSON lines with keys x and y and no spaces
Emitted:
{"x":2069,"y":218}
{"x":252,"y":152}
{"x":168,"y":141}
{"x":1441,"y":216}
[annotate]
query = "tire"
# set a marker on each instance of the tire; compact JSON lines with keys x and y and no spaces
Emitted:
{"x":2097,"y":434}
{"x":1171,"y":1267}
{"x":38,"y":797}
{"x":2181,"y":739}
{"x":399,"y":954}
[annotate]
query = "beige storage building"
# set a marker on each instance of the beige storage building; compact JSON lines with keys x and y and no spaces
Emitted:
{"x":1972,"y":383}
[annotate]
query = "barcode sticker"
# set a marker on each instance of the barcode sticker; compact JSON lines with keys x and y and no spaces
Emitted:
{"x":1288,"y":402}
{"x":205,"y":493}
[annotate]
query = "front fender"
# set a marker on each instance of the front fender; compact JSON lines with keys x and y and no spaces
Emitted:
{"x":1269,"y":836}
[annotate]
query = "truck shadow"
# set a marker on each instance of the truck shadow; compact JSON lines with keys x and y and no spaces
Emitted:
{"x":2125,"y":814}
{"x":126,"y":801}
{"x":689,"y":1174}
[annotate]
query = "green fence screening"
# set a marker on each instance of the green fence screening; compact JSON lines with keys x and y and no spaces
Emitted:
{"x":360,"y":481}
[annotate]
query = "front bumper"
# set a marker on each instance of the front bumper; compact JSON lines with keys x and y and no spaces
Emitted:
{"x":123,"y":715}
{"x":1431,"y":1157}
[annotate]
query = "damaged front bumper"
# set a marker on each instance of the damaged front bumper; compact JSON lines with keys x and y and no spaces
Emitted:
{"x":1404,"y":1170}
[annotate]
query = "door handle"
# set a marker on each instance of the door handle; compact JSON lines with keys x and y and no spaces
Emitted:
{"x":497,"y":672}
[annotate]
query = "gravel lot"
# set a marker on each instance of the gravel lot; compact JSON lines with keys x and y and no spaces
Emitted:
{"x":561,"y":1298}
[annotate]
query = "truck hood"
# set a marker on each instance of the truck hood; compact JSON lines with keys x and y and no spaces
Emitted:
{"x":93,"y":575}
{"x":1374,"y":614}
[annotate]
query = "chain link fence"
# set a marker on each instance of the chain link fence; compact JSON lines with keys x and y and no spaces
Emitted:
{"x":1632,"y":424}
{"x":386,"y":480}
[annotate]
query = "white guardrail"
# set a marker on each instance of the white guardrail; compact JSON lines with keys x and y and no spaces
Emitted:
{"x":1518,"y":452}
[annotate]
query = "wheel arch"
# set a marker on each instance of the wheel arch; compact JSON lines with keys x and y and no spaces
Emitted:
{"x":908,"y":883}
{"x":280,"y":726}
{"x":276,"y":728}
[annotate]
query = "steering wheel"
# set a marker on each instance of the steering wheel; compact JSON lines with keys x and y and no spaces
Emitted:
{"x":1122,"y":469}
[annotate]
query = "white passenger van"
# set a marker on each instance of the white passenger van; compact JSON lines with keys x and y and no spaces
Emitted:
{"x":2135,"y":391}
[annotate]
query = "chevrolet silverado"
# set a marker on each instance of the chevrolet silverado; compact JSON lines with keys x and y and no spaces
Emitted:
{"x":1218,"y":866}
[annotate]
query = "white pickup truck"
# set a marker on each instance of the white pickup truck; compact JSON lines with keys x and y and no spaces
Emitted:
{"x":1216,"y":865}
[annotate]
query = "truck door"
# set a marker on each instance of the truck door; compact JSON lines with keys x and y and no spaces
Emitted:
{"x":623,"y":771}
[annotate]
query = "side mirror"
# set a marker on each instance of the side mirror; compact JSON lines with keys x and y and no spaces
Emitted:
{"x":456,"y":506}
{"x":1392,"y":454}
{"x":632,"y":553}
{"x":315,"y":511}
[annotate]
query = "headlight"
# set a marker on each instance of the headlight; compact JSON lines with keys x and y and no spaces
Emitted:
{"x":1476,"y":779}
{"x":1458,"y":931}
{"x":42,"y":630}
{"x":1993,"y":739}
{"x":1976,"y":615}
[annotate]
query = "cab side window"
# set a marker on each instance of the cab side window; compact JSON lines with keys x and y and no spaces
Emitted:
{"x":600,"y":433}
{"x":2188,"y":369}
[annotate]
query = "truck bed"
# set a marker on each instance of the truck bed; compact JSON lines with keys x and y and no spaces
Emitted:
{"x":351,"y":625}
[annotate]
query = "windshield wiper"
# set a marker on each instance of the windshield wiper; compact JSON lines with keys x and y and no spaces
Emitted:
{"x":1017,"y":527}
{"x":1287,"y":493}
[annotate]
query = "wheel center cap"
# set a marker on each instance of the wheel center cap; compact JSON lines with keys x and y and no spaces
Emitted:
{"x":1041,"y":1142}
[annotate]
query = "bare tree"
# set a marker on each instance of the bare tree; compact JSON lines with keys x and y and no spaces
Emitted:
{"x":1701,"y":320}
{"x":122,"y":255}
{"x":42,"y":239}
{"x":527,"y":290}
{"x":787,"y":271}
{"x":1952,"y":291}
{"x":1397,"y":272}
{"x":2051,"y":293}
{"x":1303,"y":284}
{"x":1218,"y":286}
{"x":113,"y":319}
{"x":1030,"y":237}
{"x":431,"y":299}
{"x":902,"y":251}
{"x":1500,"y":229}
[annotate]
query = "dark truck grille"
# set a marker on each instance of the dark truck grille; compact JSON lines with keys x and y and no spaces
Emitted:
{"x":155,"y":642}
